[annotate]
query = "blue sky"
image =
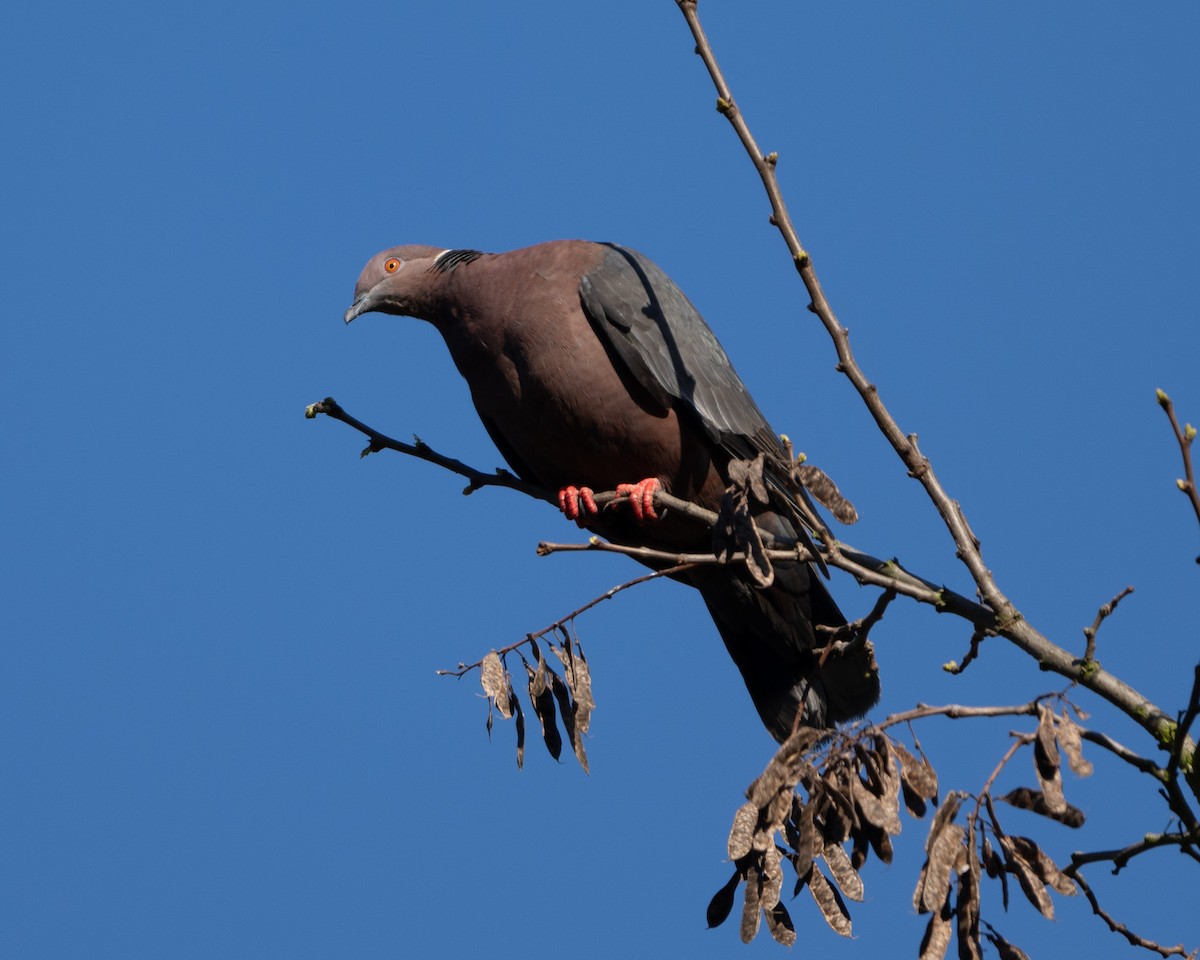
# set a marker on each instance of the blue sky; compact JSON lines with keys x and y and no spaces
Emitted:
{"x":223,"y":731}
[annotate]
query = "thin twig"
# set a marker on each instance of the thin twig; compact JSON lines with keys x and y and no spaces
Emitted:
{"x":422,"y":451}
{"x":956,"y":711}
{"x":1120,"y":857}
{"x":1104,"y":612}
{"x":1143,"y":764}
{"x":971,"y":654}
{"x":464,"y":668}
{"x":1184,"y":435}
{"x":1120,"y":928}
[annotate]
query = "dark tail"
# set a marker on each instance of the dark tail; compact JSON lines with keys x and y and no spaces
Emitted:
{"x":770,"y":635}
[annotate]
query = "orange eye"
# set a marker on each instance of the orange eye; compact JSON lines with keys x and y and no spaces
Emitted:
{"x":392,"y":265}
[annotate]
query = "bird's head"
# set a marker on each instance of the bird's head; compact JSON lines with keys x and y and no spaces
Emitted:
{"x":394,"y":281}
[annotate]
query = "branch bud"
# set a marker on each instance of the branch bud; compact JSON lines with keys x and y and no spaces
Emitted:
{"x":1163,"y":399}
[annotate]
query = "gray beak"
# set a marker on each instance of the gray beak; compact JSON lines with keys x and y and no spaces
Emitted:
{"x":361,"y":305}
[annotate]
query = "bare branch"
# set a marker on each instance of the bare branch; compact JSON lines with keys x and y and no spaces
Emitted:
{"x":1104,"y":612}
{"x":1115,"y":927}
{"x":1008,"y":620}
{"x":1120,"y":750}
{"x":557,"y":625}
{"x":1120,"y":857}
{"x":971,"y":654}
{"x":958,"y":712}
{"x":478,"y":478}
{"x":1184,"y":436}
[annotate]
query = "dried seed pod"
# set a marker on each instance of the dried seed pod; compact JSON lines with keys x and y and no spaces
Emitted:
{"x":741,"y":836}
{"x":934,"y":879}
{"x":1072,"y":744}
{"x":937,"y":932}
{"x":1033,"y":888}
{"x":751,"y":908}
{"x":542,"y":698}
{"x":918,"y":775}
{"x":1047,"y":762}
{"x":496,"y":684}
{"x":830,"y":902}
{"x":1035,"y":802}
{"x":844,"y":874}
{"x":721,"y":905}
{"x":779,"y":921}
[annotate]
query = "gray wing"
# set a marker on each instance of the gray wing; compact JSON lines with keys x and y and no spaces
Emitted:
{"x":647,"y":322}
{"x":650,"y":326}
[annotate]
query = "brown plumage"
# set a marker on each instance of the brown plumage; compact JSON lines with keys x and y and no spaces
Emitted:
{"x":589,"y":366}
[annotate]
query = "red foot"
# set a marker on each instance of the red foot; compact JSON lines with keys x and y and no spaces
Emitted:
{"x":576,"y":502}
{"x":641,"y":498}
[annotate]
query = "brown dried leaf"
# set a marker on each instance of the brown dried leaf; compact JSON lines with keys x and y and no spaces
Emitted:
{"x":1043,"y":866}
{"x":1072,"y":745}
{"x":1047,"y":762}
{"x":830,"y":902}
{"x":889,"y":776}
{"x":579,"y":680}
{"x":1035,"y":802}
{"x":772,"y":877}
{"x":967,"y":906}
{"x":543,"y":705}
{"x":860,"y":849}
{"x":1006,"y":950}
{"x":818,"y":483}
{"x":784,"y":770}
{"x":934,"y":880}
{"x":1033,"y":888}
{"x":741,"y":836}
{"x":917,"y":774}
{"x":780,"y":923}
{"x":751,"y":907}
{"x":720,"y":906}
{"x":844,"y":874}
{"x":940,"y":849}
{"x":777,"y":810}
{"x":567,"y":710}
{"x":837,"y":818}
{"x":494,"y":679}
{"x":994,"y":866}
{"x":914,"y":803}
{"x":937,"y":933}
{"x":809,"y":841}
{"x":870,"y":807}
{"x":945,"y":815}
{"x":735,"y":533}
{"x":515,"y":704}
{"x":880,"y":842}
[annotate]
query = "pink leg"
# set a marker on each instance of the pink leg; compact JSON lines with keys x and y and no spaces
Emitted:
{"x":641,"y":498}
{"x":577,"y":503}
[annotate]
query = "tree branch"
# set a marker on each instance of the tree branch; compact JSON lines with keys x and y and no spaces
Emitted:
{"x":1184,"y":436}
{"x":464,"y":668}
{"x":1009,"y":622}
{"x":1115,"y":927}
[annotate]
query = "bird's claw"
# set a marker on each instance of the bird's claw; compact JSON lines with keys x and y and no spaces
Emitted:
{"x":641,"y":498}
{"x":577,"y":503}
